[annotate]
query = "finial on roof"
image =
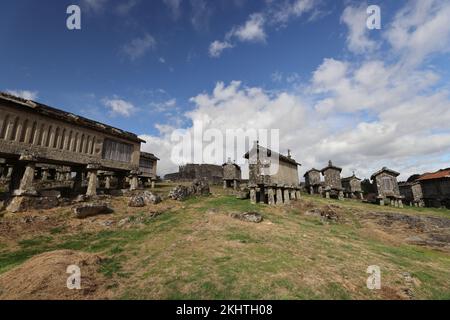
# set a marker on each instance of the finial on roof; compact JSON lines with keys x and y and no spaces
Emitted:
{"x":289,"y":153}
{"x":330,"y":163}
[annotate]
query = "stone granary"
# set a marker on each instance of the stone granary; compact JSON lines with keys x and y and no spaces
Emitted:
{"x":32,"y":133}
{"x":411,"y":190}
{"x":313,"y":183}
{"x":191,"y":172}
{"x":231,"y":175}
{"x":386,"y":187}
{"x":269,"y":183}
{"x":352,"y":187}
{"x":436,"y":188}
{"x":332,"y":183}
{"x":147,"y":167}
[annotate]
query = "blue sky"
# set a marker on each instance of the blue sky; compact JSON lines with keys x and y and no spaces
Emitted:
{"x":141,"y":65}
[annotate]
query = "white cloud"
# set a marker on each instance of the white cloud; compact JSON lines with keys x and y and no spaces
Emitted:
{"x":288,"y":10}
{"x":252,"y":30}
{"x":421,"y":28}
{"x":174,"y":6}
{"x":25,"y":94}
{"x":165,"y":106}
{"x":138,"y":47}
{"x":216,"y":48}
{"x":94,"y":5}
{"x":119,"y":107}
{"x":126,"y":6}
{"x":358,"y":34}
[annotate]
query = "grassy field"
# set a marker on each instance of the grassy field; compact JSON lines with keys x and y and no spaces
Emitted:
{"x":194,"y":250}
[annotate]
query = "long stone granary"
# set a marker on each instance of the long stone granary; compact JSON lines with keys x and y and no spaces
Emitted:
{"x":32,"y":133}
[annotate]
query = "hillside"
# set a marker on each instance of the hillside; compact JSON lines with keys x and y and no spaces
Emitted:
{"x":312,"y":249}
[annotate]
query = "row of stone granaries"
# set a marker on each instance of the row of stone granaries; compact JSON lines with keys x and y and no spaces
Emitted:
{"x":429,"y":189}
{"x":420,"y":190}
{"x":43,"y":149}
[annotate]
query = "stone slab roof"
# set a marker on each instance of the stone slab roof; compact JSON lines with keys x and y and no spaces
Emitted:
{"x":150,"y":156}
{"x":387,"y":170}
{"x":39,"y":108}
{"x":271,"y":153}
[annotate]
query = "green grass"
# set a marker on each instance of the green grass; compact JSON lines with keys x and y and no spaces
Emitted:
{"x":188,"y":253}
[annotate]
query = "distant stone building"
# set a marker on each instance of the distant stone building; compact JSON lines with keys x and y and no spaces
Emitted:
{"x":412,"y":193}
{"x":436,"y":188}
{"x":352,"y":187}
{"x":273,"y":178}
{"x":147,"y":167}
{"x":190,"y":172}
{"x":386,"y":187}
{"x":313,"y":183}
{"x":232,"y":175}
{"x":332,"y":183}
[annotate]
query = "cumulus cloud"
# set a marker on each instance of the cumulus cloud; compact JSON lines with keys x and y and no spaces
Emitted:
{"x":25,"y":94}
{"x":358,"y":40}
{"x":287,"y":10}
{"x":254,"y":29}
{"x":119,"y":107}
{"x":216,"y":48}
{"x":138,"y":47}
{"x":420,"y":29}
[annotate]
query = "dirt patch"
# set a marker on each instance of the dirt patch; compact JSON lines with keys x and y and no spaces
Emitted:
{"x":44,"y":277}
{"x":419,"y":230}
{"x":326,"y":213}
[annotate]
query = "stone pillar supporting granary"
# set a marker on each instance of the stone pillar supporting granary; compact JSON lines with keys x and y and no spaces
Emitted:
{"x":92,"y":180}
{"x":60,"y":140}
{"x":134,"y":180}
{"x":286,"y":195}
{"x":253,"y":199}
{"x":271,"y":194}
{"x":279,"y":195}
{"x":332,"y":181}
{"x":275,"y":175}
{"x":386,"y":187}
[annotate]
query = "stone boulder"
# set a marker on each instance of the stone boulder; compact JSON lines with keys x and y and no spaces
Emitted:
{"x":83,"y":211}
{"x":200,"y":188}
{"x":150,"y":198}
{"x":179,"y":193}
{"x":23,"y":204}
{"x":136,"y":202}
{"x":253,"y":217}
{"x":243,"y":194}
{"x":325,"y":214}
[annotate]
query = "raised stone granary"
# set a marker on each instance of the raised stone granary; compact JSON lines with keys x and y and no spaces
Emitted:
{"x":191,"y":172}
{"x":332,"y":183}
{"x":386,"y":187}
{"x":32,"y":133}
{"x":147,"y":167}
{"x":352,"y":187}
{"x":313,"y":183}
{"x":232,"y":175}
{"x":273,"y":178}
{"x":436,"y":188}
